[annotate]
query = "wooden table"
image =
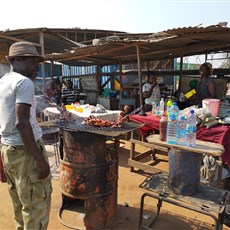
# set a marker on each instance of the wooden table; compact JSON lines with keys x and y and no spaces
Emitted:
{"x":110,"y":115}
{"x":219,"y":134}
{"x":202,"y":147}
{"x":161,"y":147}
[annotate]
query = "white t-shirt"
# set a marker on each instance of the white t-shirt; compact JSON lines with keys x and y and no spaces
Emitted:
{"x":16,"y":88}
{"x":155,"y":96}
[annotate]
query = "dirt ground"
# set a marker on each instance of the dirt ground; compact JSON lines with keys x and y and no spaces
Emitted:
{"x":129,"y":194}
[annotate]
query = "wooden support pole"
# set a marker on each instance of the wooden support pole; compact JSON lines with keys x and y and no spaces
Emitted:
{"x":180,"y":80}
{"x":120,"y":69}
{"x":51,"y":70}
{"x":41,"y":39}
{"x":98,"y":79}
{"x":112,"y":78}
{"x":140,"y":79}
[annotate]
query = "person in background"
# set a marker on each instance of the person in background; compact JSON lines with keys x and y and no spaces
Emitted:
{"x":151,"y":92}
{"x":53,"y":91}
{"x":68,"y":93}
{"x":206,"y":88}
{"x":184,"y":101}
{"x":23,"y":153}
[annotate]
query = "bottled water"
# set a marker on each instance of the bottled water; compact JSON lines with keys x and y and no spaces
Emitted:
{"x":181,"y":131}
{"x":171,"y":137}
{"x":191,"y":130}
{"x":162,"y":106}
{"x":157,"y":110}
{"x":154,"y":105}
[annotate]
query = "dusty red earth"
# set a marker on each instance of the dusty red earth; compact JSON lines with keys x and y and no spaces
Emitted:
{"x":129,"y":194}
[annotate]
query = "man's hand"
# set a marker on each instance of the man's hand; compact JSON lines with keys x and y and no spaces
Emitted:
{"x":154,"y":84}
{"x":43,"y":169}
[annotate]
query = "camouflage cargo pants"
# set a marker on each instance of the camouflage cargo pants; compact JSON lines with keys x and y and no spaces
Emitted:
{"x":30,"y":196}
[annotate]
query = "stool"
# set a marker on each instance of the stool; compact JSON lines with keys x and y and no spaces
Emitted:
{"x":51,"y":137}
{"x":206,"y":201}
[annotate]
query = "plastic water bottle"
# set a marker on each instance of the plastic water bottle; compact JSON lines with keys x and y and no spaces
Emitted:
{"x":162,"y":106}
{"x":157,"y":110}
{"x":181,"y":131}
{"x":171,"y":137}
{"x":191,"y":130}
{"x":154,"y":105}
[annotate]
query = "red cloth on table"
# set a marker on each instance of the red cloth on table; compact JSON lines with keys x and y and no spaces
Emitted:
{"x":151,"y":122}
{"x":219,"y":134}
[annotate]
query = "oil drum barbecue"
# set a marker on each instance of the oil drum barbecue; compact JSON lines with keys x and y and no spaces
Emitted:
{"x":89,"y":170}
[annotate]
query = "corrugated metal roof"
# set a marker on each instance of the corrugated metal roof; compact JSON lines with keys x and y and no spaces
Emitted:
{"x":163,"y":45}
{"x":198,"y":29}
{"x":53,"y":41}
{"x":167,"y":44}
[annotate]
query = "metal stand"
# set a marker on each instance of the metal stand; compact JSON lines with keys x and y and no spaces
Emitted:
{"x":51,"y":137}
{"x":206,"y":201}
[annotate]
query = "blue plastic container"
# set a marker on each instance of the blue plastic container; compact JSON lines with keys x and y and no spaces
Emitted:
{"x":184,"y":172}
{"x":113,"y":94}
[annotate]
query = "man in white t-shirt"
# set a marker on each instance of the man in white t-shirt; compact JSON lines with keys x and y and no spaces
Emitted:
{"x":151,"y":92}
{"x":23,"y":154}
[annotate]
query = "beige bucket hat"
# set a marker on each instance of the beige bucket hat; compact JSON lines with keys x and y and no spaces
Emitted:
{"x":23,"y":49}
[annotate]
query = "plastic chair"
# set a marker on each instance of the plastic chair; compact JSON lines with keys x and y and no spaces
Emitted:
{"x":51,"y":137}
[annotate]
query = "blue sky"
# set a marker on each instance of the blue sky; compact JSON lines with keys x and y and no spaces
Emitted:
{"x":123,"y":15}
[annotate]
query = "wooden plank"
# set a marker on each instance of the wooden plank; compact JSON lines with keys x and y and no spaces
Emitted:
{"x":149,"y":145}
{"x":202,"y":147}
{"x":47,"y":123}
{"x":141,"y":156}
{"x":132,"y":151}
{"x":143,"y":166}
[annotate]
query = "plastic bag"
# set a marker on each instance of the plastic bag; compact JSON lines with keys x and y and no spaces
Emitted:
{"x":99,"y":109}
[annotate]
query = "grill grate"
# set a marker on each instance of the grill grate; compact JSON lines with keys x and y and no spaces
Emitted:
{"x":78,"y":125}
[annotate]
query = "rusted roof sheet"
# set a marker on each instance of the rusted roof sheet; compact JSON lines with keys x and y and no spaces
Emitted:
{"x":167,"y":44}
{"x":163,"y":45}
{"x":54,"y":41}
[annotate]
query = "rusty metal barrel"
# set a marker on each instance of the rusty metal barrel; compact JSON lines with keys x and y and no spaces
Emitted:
{"x":184,"y":172}
{"x":89,"y":172}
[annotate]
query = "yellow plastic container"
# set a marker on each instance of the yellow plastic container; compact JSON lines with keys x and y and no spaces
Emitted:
{"x":69,"y":107}
{"x":190,"y":93}
{"x":79,"y":109}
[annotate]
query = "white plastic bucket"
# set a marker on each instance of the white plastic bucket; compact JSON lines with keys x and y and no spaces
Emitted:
{"x":211,"y":105}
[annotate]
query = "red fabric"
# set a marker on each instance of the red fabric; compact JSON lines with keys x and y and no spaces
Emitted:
{"x":151,"y":122}
{"x":218,"y":134}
